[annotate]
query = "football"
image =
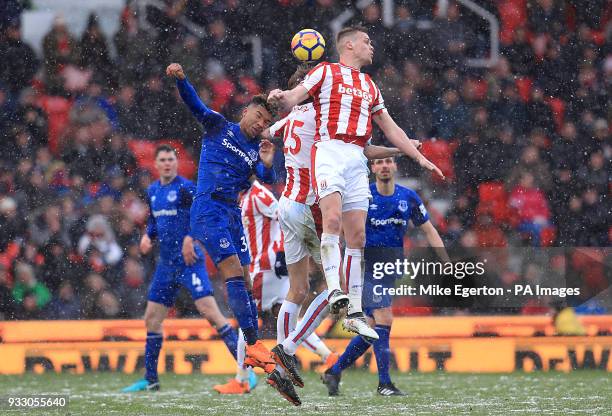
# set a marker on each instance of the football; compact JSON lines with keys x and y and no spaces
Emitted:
{"x":308,"y":45}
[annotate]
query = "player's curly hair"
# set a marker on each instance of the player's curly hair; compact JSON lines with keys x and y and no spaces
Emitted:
{"x":262,"y":100}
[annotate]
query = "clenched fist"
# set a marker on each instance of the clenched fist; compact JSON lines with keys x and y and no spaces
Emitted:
{"x":175,"y":70}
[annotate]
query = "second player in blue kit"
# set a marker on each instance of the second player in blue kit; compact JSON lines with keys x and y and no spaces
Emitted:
{"x":181,"y":263}
{"x":232,"y":154}
{"x":391,"y":210}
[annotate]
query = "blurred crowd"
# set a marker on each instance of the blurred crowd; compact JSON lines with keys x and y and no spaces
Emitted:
{"x":525,"y":143}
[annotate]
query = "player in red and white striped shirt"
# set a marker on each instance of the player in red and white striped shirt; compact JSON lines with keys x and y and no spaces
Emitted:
{"x":300,"y":221}
{"x":264,"y":239}
{"x":346,"y":101}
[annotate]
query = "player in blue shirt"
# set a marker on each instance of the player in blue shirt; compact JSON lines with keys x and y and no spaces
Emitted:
{"x":231,"y":154}
{"x":391,"y":209}
{"x":181,"y":263}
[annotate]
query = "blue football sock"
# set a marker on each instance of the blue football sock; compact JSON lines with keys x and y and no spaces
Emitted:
{"x":239,"y":303}
{"x":228,"y":335}
{"x":354,"y":350}
{"x":253,"y":310}
{"x":382,"y":353}
{"x":152,"y":349}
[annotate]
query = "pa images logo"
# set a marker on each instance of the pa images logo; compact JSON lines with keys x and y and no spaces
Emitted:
{"x":224,"y":243}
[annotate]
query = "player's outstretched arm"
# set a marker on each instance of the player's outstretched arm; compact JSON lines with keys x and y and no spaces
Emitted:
{"x":285,"y":100}
{"x":372,"y":151}
{"x":397,"y":137}
{"x":434,"y":240}
{"x":205,"y":115}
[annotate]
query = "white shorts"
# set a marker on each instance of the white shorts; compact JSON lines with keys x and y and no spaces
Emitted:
{"x":268,"y":289}
{"x":299,"y":230}
{"x":342,"y":167}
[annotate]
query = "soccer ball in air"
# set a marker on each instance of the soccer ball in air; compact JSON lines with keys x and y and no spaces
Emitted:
{"x":308,"y":45}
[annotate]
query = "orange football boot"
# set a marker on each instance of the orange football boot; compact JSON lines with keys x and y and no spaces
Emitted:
{"x":257,"y":355}
{"x":233,"y":386}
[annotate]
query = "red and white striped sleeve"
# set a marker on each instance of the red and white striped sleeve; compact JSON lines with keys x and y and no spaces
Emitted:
{"x":265,"y":203}
{"x":314,"y":79}
{"x":277,"y":129}
{"x":379,"y":103}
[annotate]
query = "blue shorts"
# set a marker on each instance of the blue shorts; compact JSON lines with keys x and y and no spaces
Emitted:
{"x":373,"y":296}
{"x":218,"y":226}
{"x":169,"y":277}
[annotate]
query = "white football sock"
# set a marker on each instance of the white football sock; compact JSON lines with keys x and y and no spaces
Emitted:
{"x":353,"y":273}
{"x":331,"y":260}
{"x":242,"y":372}
{"x":316,"y":345}
{"x":287,"y":319}
{"x":316,"y":312}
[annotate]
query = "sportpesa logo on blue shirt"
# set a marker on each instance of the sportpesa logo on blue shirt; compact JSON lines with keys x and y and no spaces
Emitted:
{"x":165,"y":213}
{"x":249,"y":159}
{"x":386,"y":221}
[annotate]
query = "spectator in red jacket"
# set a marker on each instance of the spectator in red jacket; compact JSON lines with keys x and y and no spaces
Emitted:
{"x":531,"y":206}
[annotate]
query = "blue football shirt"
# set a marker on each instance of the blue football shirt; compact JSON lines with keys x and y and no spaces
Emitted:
{"x":169,"y":217}
{"x":388,"y":216}
{"x":228,"y":158}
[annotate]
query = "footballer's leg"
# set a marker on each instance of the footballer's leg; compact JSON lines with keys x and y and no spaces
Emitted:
{"x":384,"y":318}
{"x":208,"y":308}
{"x":290,"y":308}
{"x":300,"y":240}
{"x":328,"y":181}
{"x":356,"y":348}
{"x":239,"y":300}
{"x":278,"y":378}
{"x":354,"y":214}
{"x":298,"y":230}
{"x":217,"y":231}
{"x":222,"y":236}
{"x":257,"y":355}
{"x":162,"y":293}
{"x":155,"y":314}
{"x":331,"y":256}
{"x":354,"y":232}
{"x":316,"y":345}
{"x":195,"y":279}
{"x":284,"y":353}
{"x":245,"y":379}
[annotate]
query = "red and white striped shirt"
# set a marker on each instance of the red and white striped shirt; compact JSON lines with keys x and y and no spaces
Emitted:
{"x":297,"y":131}
{"x":344,"y":100}
{"x":260,"y":222}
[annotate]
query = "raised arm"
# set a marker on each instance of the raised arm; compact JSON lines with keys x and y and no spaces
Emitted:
{"x":373,"y":152}
{"x":397,"y":137}
{"x":286,"y":100}
{"x":205,"y":115}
